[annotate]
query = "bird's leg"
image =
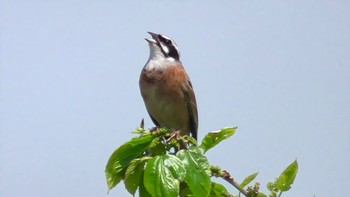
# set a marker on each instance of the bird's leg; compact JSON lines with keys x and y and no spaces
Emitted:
{"x":176,"y":135}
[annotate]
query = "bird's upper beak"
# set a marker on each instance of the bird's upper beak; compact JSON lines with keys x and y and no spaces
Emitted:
{"x":155,"y":39}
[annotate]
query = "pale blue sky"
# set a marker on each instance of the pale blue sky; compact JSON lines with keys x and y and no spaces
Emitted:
{"x":279,"y":70}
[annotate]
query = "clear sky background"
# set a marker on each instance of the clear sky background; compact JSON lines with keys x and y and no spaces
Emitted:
{"x":279,"y":70}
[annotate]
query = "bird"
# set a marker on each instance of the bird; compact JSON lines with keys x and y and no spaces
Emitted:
{"x":166,"y":88}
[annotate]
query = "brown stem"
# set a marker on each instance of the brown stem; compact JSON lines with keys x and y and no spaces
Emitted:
{"x":227,"y":177}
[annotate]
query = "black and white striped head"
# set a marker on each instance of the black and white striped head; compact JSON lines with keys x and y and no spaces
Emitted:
{"x":163,"y":46}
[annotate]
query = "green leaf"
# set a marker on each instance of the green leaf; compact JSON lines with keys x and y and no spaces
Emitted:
{"x":175,"y":166}
{"x":159,"y":179}
{"x":286,"y":179}
{"x":184,"y":190}
{"x":121,"y":158}
{"x":261,"y":194}
{"x":214,"y":138}
{"x":248,"y":179}
{"x":143,"y":191}
{"x":218,"y":190}
{"x":198,"y":171}
{"x":134,"y":174}
{"x":157,"y":147}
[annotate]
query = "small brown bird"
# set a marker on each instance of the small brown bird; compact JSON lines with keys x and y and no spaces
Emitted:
{"x":166,"y":88}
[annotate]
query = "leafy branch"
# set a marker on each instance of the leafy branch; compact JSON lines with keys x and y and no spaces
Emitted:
{"x":151,"y":165}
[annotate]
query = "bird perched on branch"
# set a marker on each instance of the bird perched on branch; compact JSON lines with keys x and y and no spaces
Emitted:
{"x":166,"y":88}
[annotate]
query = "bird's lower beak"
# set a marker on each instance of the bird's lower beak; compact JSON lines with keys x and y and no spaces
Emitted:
{"x":150,"y":41}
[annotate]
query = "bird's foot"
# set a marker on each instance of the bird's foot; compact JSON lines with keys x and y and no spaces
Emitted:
{"x":176,"y":135}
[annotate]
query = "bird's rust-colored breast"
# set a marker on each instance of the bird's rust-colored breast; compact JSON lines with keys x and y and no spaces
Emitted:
{"x":167,"y":82}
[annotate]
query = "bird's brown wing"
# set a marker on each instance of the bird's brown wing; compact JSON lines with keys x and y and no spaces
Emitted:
{"x":154,"y":120}
{"x":192,"y":108}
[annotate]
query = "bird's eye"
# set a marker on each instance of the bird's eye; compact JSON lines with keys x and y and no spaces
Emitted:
{"x":164,"y":40}
{"x":168,"y":41}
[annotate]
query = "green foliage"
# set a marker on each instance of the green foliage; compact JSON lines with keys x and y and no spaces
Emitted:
{"x":198,"y":180}
{"x":134,"y":174}
{"x":248,"y":179}
{"x":159,"y":179}
{"x":214,"y":138}
{"x":122,"y":157}
{"x":253,"y":191}
{"x":284,"y":181}
{"x":218,"y":189}
{"x":148,"y":164}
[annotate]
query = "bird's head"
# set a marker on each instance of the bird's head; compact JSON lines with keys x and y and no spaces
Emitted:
{"x":162,"y":46}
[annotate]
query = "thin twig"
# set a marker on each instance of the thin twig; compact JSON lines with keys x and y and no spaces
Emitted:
{"x":280,"y":194}
{"x":227,"y":177}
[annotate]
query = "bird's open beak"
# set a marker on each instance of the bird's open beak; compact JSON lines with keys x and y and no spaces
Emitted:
{"x":154,"y":40}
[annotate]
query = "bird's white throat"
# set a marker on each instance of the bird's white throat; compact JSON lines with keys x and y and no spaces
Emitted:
{"x":159,"y":63}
